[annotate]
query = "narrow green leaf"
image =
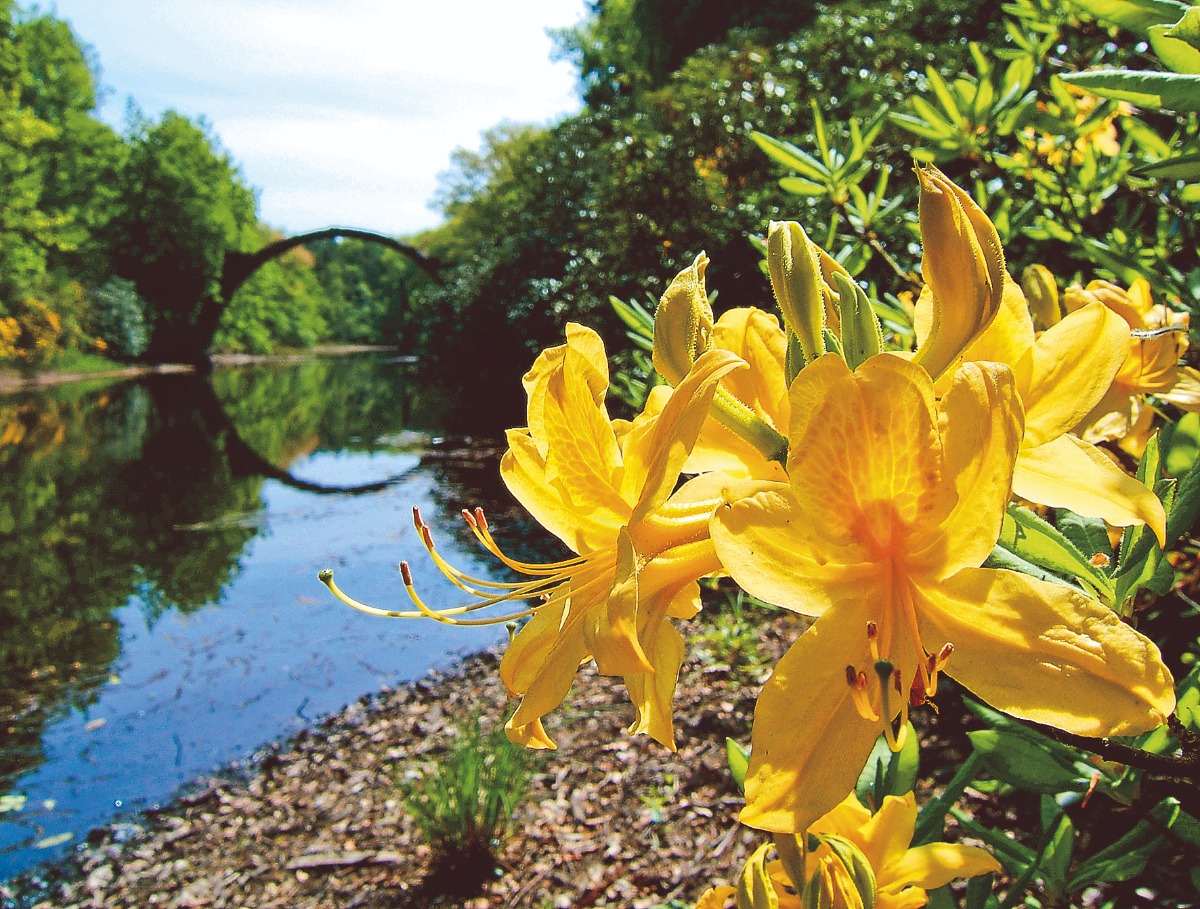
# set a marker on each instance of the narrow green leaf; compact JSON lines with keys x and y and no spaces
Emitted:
{"x":944,"y":95}
{"x":790,"y":156}
{"x":887,"y":772}
{"x":1182,"y":167}
{"x":920,"y":127}
{"x":1056,"y":860}
{"x":1017,"y":757}
{"x":803,"y":187}
{"x":1153,"y":90}
{"x":1120,"y":861}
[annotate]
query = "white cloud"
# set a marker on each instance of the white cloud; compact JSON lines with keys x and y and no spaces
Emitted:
{"x":338,"y":113}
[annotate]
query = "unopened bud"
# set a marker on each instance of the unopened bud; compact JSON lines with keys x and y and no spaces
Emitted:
{"x":963,"y":266}
{"x":1041,"y":290}
{"x":683,"y":323}
{"x":795,"y":269}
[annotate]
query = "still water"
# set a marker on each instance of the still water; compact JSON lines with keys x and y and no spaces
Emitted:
{"x":160,"y":615}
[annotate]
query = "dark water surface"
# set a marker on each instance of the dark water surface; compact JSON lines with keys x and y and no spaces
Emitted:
{"x":160,"y":615}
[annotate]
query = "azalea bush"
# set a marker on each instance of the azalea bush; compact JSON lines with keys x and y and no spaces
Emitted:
{"x":1078,"y":135}
{"x":953,"y":505}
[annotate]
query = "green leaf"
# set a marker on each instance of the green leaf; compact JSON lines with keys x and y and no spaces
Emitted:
{"x":739,"y":763}
{"x":1120,"y":861}
{"x":1056,"y":859}
{"x":1185,"y":507}
{"x":1178,"y":55}
{"x":1181,"y":167}
{"x":920,"y":127}
{"x":1089,"y":535}
{"x":802,"y":187}
{"x":1033,"y":539}
{"x":1014,"y":856}
{"x":1010,"y":561}
{"x":790,"y":156}
{"x":1135,"y":15}
{"x":1015,"y":757}
{"x":1172,"y":91}
{"x":944,"y":95}
{"x":889,"y":772}
{"x":1188,"y":28}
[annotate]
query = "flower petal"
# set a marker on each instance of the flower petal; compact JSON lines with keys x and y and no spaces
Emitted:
{"x":653,"y":693}
{"x":677,"y":427}
{"x":809,"y":741}
{"x":1069,"y":473}
{"x":1047,"y":653}
{"x":1074,"y":364}
{"x":888,"y":832}
{"x":766,"y":546}
{"x":540,"y":664}
{"x":524,"y":473}
{"x":981,"y":434}
{"x":934,"y":865}
{"x":963,"y":264}
{"x":611,"y":632}
{"x":862,"y":438}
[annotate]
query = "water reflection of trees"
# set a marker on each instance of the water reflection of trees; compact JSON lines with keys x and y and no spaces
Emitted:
{"x":148,"y":490}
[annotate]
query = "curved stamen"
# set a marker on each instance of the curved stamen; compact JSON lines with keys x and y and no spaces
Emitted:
{"x":445,"y":616}
{"x":484,"y":535}
{"x":857,"y":680}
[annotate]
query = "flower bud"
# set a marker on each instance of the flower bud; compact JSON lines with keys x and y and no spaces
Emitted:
{"x":795,"y":268}
{"x":683,"y":323}
{"x":1041,"y":291}
{"x":755,"y":890}
{"x":963,"y":266}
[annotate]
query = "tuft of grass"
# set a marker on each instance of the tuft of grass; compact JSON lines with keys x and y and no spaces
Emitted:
{"x":464,"y":804}
{"x":730,"y":632}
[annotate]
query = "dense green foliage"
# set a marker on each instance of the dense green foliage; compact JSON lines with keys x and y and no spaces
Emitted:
{"x":659,"y":166}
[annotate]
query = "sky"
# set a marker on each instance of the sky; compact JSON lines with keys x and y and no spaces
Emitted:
{"x":338,"y":112}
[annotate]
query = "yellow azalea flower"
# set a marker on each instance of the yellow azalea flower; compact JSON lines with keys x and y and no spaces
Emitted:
{"x":894,"y":499}
{"x":641,"y":548}
{"x":608,"y":491}
{"x":1061,"y":375}
{"x":902,"y":874}
{"x":1150,"y":367}
{"x":754,"y":336}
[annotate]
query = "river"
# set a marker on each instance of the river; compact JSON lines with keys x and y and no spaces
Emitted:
{"x":160,"y":614}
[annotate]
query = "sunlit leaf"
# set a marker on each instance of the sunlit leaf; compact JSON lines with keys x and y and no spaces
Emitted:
{"x":1172,"y":91}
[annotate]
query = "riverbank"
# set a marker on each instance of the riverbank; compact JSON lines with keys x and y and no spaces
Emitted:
{"x":316,"y":822}
{"x":12,"y":380}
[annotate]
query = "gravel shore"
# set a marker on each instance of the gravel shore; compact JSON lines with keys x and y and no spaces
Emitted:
{"x":609,"y":820}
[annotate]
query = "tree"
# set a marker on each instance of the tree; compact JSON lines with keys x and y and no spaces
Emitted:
{"x":184,"y":205}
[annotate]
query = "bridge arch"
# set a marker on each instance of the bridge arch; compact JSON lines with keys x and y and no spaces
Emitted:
{"x":240,"y":266}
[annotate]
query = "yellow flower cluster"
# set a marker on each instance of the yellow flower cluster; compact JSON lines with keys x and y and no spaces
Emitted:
{"x":860,"y":487}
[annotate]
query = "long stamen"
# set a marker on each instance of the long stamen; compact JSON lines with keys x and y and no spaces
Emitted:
{"x":326,"y":578}
{"x":910,"y":617}
{"x":938,"y":664}
{"x":444,"y":616}
{"x":857,"y":680}
{"x":484,"y":535}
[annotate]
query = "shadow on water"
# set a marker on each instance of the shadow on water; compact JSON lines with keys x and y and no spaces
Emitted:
{"x":125,"y":504}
